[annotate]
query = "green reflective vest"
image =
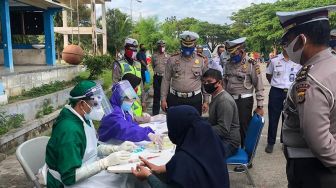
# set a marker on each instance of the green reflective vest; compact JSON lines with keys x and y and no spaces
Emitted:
{"x":136,"y":70}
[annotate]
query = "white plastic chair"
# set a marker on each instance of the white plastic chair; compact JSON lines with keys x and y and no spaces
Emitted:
{"x":31,"y":155}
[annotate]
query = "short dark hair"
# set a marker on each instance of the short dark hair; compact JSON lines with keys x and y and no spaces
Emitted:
{"x":318,"y":32}
{"x":141,"y":45}
{"x":213,"y":73}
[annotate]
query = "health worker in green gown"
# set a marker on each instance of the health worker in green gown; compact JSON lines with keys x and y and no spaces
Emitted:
{"x":71,"y":153}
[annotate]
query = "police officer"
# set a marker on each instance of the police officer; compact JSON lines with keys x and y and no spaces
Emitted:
{"x":128,"y":64}
{"x":280,"y":73}
{"x":182,"y":82}
{"x":159,"y":59}
{"x":199,"y":51}
{"x":242,"y":76}
{"x":309,"y":129}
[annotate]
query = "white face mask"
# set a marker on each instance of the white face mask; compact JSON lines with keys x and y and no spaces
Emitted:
{"x":295,"y":56}
{"x":96,"y":113}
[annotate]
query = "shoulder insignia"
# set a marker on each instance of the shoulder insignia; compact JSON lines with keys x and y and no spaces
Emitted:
{"x":252,"y":61}
{"x":301,"y":89}
{"x":257,"y":70}
{"x":303,"y":74}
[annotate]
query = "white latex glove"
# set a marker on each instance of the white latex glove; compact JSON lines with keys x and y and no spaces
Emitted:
{"x":121,"y":157}
{"x":127,"y":146}
{"x":156,"y":138}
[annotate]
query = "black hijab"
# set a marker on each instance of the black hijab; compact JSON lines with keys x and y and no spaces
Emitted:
{"x":199,"y":160}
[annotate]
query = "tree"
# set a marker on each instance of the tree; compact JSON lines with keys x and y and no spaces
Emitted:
{"x":118,"y":26}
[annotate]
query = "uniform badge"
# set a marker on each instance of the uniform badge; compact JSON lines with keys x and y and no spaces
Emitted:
{"x":257,"y":69}
{"x":197,"y":61}
{"x":244,"y":68}
{"x":301,"y":89}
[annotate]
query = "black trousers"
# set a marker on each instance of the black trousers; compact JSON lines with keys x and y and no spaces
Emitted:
{"x":195,"y":101}
{"x":143,"y":77}
{"x":157,"y":94}
{"x":245,"y":107}
{"x":275,"y":107}
{"x":309,"y":173}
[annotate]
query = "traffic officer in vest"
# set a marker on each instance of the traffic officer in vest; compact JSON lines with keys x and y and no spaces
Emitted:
{"x":309,"y":129}
{"x":71,"y":153}
{"x":182,"y":84}
{"x":159,"y":59}
{"x":280,"y":73}
{"x":242,"y":76}
{"x":129,"y":65}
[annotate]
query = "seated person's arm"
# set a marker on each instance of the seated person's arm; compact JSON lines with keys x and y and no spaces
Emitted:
{"x":120,"y":127}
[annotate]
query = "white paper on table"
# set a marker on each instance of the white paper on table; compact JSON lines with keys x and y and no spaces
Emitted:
{"x":164,"y":157}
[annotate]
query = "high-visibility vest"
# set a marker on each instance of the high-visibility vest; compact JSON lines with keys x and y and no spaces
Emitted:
{"x":136,"y":70}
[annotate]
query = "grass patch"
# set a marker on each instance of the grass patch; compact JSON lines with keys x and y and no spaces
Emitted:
{"x":8,"y":122}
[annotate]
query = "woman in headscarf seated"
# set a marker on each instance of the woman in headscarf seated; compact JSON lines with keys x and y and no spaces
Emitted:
{"x":140,"y":116}
{"x":199,"y":159}
{"x":119,"y":125}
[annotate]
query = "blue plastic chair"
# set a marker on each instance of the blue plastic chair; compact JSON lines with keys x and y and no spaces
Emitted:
{"x":245,"y":155}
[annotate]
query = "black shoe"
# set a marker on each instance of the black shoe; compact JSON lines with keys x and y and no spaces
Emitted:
{"x":269,"y":148}
{"x":241,"y":168}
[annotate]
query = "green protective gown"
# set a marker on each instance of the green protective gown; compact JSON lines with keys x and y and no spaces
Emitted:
{"x":65,"y":149}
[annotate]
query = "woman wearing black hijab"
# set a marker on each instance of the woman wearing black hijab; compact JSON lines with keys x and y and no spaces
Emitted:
{"x":199,"y":160}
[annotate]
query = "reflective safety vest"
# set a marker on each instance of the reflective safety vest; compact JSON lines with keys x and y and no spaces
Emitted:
{"x":136,"y":70}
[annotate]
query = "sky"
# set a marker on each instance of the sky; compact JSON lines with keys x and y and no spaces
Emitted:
{"x":213,"y":11}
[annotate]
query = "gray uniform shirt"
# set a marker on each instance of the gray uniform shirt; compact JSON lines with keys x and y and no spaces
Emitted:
{"x":159,"y":62}
{"x":223,"y":116}
{"x":243,"y":78}
{"x":310,"y":113}
{"x":183,"y":75}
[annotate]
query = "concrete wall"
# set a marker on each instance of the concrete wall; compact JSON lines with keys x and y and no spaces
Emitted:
{"x":30,"y":107}
{"x":15,"y":83}
{"x":26,"y":56}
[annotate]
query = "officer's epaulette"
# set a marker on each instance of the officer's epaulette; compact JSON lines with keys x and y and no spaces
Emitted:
{"x":302,"y":74}
{"x":302,"y":85}
{"x":252,"y":61}
{"x":176,"y":54}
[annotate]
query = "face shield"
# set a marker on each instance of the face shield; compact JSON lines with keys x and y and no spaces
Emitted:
{"x":125,"y":90}
{"x":99,"y":100}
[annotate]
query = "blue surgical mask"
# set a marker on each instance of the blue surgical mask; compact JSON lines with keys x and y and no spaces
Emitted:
{"x":332,"y":43}
{"x":126,"y":105}
{"x":187,"y":51}
{"x":236,"y":58}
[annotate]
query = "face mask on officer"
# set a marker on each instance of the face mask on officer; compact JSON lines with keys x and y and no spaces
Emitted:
{"x":162,"y":49}
{"x":187,"y":51}
{"x":130,"y":53}
{"x":332,"y":43}
{"x":236,"y":57}
{"x":292,"y":49}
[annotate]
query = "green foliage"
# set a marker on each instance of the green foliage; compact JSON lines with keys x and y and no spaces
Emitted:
{"x":9,"y":121}
{"x":46,"y":109}
{"x":261,"y":26}
{"x":97,"y":64}
{"x":118,"y":26}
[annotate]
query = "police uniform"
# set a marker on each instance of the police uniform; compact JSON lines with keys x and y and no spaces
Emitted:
{"x":126,"y":65}
{"x":309,"y":129}
{"x":240,"y":80}
{"x":182,"y":81}
{"x":159,"y":60}
{"x":283,"y":75}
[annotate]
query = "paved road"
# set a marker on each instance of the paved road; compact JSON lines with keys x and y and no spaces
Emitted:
{"x":268,"y":169}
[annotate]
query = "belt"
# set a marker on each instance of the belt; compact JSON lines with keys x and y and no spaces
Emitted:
{"x":242,"y":96}
{"x":184,"y":95}
{"x":282,"y":89}
{"x":158,"y":74}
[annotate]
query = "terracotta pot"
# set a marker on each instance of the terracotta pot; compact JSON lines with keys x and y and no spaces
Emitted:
{"x":73,"y":54}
